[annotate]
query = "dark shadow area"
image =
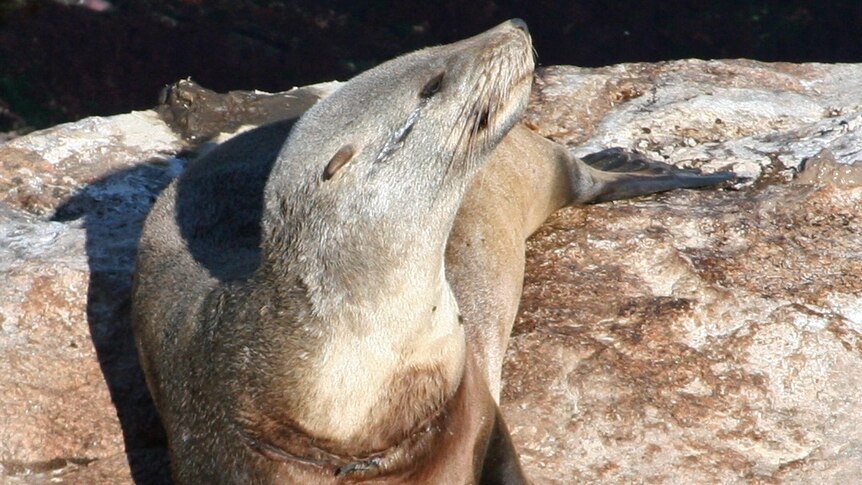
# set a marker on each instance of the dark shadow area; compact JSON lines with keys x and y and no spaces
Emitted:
{"x":113,"y":226}
{"x":220,"y":202}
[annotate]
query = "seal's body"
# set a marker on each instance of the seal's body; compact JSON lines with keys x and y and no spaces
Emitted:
{"x":336,"y":310}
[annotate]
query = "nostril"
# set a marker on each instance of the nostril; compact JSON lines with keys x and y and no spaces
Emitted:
{"x":519,"y":24}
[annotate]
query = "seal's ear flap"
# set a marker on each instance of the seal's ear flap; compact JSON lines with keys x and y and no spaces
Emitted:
{"x":340,"y":159}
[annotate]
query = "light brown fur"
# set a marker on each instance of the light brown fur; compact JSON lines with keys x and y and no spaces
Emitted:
{"x":337,"y":345}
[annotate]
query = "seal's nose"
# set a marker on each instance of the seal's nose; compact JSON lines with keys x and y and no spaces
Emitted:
{"x":519,"y":24}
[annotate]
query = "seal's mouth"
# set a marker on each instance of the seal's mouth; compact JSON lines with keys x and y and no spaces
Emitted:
{"x":500,"y":88}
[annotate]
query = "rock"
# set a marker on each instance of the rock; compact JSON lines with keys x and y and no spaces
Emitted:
{"x":689,"y":337}
{"x":701,"y":336}
{"x":713,"y":114}
{"x":200,"y":114}
{"x":73,"y":395}
{"x":39,"y":171}
{"x":704,"y":338}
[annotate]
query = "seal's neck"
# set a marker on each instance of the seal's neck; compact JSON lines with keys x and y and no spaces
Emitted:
{"x":383,"y":323}
{"x":440,"y":449}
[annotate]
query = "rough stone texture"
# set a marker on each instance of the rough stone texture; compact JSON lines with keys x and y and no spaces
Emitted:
{"x":689,"y":337}
{"x":39,"y":171}
{"x":699,"y":337}
{"x":73,"y":397}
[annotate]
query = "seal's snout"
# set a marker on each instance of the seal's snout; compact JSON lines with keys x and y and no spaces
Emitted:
{"x":510,"y":27}
{"x":519,"y":24}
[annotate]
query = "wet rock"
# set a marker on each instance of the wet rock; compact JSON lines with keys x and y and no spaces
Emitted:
{"x":200,"y":114}
{"x":689,"y":337}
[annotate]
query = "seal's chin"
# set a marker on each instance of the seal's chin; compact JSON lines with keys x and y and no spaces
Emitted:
{"x":513,"y":109}
{"x":502,"y":71}
{"x":496,"y":111}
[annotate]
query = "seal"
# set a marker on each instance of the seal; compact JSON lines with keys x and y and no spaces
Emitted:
{"x":328,"y":299}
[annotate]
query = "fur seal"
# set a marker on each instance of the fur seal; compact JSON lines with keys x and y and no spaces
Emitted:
{"x":334,"y":308}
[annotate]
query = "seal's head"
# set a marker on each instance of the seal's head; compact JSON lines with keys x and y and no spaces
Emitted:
{"x":372,"y":176}
{"x":415,"y":127}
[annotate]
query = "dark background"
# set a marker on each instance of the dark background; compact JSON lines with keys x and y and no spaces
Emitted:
{"x":61,"y":62}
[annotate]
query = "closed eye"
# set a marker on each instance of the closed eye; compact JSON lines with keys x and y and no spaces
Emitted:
{"x":432,"y":87}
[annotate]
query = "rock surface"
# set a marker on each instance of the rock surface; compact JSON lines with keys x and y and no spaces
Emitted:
{"x":689,"y":337}
{"x":699,"y":337}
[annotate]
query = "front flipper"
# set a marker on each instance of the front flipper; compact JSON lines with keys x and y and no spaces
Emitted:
{"x":617,"y":173}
